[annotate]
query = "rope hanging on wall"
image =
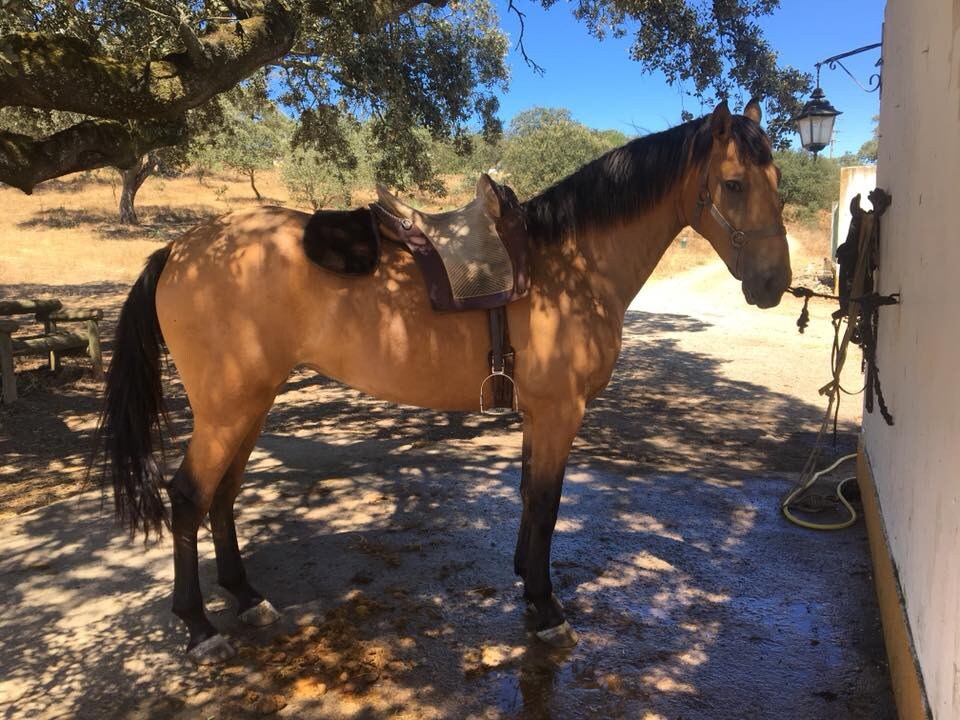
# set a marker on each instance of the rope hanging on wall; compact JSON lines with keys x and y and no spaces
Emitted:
{"x":860,"y":307}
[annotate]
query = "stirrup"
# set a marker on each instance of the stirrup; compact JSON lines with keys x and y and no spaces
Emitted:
{"x":499,"y":411}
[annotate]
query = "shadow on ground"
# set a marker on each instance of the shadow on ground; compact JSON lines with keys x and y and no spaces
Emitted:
{"x":157,"y":222}
{"x":386,"y":534}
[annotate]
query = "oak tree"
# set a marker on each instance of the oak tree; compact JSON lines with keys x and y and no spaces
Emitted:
{"x":128,"y":72}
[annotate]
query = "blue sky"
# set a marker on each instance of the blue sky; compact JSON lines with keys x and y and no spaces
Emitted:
{"x":603,"y":88}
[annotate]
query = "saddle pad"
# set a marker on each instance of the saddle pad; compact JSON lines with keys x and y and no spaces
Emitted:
{"x":345,"y":242}
{"x":476,"y":262}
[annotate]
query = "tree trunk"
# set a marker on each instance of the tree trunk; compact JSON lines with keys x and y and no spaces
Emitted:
{"x":255,"y":191}
{"x":133,"y":178}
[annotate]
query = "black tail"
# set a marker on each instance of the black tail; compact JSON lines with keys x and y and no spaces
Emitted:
{"x":130,"y":432}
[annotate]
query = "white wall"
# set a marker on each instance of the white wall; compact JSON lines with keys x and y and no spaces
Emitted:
{"x":916,"y":464}
{"x":854,"y":180}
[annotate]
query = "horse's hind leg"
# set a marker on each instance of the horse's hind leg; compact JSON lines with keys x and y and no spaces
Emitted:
{"x":211,"y":451}
{"x":523,"y":537}
{"x":231,"y":575}
{"x":547,"y":445}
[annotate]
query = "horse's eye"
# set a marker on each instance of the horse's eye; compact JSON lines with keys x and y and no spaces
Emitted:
{"x":733,"y":185}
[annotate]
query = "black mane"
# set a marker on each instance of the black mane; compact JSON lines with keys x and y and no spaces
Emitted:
{"x":628,"y":180}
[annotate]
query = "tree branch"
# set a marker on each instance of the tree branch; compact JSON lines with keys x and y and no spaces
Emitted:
{"x":55,"y":72}
{"x":195,"y":48}
{"x":25,"y":162}
{"x":531,"y":63}
{"x":385,"y":11}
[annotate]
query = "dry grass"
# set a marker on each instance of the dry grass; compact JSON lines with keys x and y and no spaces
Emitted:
{"x":67,"y":233}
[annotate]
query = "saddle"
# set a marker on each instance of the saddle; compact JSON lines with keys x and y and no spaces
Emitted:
{"x":472,"y":258}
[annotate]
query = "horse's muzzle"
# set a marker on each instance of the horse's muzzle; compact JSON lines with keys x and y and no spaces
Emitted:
{"x":765,"y":290}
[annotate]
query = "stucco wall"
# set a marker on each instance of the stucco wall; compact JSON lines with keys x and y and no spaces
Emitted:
{"x":854,"y":180}
{"x":916,"y":464}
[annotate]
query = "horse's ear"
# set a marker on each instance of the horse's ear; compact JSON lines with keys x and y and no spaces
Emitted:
{"x":720,"y":121}
{"x":487,"y":193}
{"x":753,"y":111}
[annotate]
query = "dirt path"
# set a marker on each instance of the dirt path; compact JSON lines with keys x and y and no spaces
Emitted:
{"x":386,"y":536}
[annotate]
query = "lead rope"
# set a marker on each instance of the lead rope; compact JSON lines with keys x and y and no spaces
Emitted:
{"x":860,"y":307}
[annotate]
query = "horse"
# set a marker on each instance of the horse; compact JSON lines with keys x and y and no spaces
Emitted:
{"x":239,"y":305}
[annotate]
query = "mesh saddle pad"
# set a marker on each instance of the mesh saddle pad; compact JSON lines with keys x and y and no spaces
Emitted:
{"x":476,"y":261}
{"x":469,"y":260}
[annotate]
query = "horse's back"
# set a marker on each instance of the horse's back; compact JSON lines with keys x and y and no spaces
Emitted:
{"x":240,"y":304}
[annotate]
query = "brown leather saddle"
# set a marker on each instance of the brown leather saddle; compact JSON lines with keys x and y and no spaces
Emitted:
{"x":472,"y":258}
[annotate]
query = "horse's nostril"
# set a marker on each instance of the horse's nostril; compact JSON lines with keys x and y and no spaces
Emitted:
{"x":776,"y":283}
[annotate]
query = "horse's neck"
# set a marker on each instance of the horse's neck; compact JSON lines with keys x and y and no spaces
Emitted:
{"x":618,"y":260}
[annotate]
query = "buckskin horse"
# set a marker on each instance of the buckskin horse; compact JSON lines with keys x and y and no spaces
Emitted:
{"x":239,"y":305}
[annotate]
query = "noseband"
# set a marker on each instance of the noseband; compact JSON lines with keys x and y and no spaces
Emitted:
{"x":738,"y":238}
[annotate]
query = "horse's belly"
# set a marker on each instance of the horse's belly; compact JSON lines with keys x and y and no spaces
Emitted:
{"x":240,"y":312}
{"x":396,"y":348}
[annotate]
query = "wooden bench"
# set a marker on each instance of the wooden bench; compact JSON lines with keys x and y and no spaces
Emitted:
{"x":53,"y":341}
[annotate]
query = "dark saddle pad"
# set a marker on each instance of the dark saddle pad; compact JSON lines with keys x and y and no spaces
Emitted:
{"x":346,"y":242}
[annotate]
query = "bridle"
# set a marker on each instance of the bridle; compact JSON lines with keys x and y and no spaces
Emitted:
{"x":738,"y":238}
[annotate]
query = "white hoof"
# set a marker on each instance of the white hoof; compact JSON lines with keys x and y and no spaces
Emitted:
{"x":561,"y":636}
{"x":211,"y":651}
{"x":260,"y":615}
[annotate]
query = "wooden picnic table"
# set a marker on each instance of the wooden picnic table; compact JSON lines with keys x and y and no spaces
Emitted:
{"x":53,"y":340}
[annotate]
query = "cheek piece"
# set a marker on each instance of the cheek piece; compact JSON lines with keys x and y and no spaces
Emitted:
{"x":738,"y":238}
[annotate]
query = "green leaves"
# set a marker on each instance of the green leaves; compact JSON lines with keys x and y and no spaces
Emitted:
{"x":432,"y":69}
{"x":544,"y":145}
{"x":320,"y":181}
{"x":412,"y":74}
{"x":806,"y":183}
{"x":711,"y":50}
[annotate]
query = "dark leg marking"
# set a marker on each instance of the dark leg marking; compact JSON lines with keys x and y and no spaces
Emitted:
{"x":186,"y":515}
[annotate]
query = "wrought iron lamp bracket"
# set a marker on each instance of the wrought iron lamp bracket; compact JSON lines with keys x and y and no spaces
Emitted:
{"x":873,"y":84}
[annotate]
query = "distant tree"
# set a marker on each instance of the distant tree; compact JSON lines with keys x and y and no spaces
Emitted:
{"x":253,"y":136}
{"x":315,"y":179}
{"x":544,"y":145}
{"x":468,"y":156}
{"x":165,"y":161}
{"x":612,"y":138}
{"x":807,"y":184}
{"x":867,"y":154}
{"x":131,"y":180}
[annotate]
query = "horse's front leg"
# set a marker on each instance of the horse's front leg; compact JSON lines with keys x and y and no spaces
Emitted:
{"x":547,"y":438}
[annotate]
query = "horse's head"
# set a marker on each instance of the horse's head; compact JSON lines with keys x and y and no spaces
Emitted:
{"x":732,"y":200}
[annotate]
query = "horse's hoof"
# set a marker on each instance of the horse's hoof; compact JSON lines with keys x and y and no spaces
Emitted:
{"x":213,"y":650}
{"x":260,"y":615}
{"x":561,"y":636}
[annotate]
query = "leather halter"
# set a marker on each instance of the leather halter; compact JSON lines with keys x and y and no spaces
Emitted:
{"x":738,"y":238}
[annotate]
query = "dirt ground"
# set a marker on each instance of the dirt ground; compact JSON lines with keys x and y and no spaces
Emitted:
{"x":386,"y":534}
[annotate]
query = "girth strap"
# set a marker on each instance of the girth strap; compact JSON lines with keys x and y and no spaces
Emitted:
{"x":498,"y":390}
{"x":503,"y":391}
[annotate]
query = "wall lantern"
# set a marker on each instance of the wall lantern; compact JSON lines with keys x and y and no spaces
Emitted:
{"x":815,"y":121}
